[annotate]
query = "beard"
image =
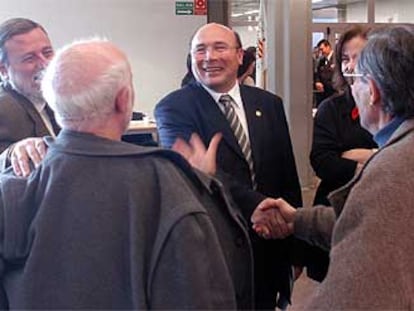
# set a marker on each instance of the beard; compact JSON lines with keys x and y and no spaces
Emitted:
{"x":30,"y":89}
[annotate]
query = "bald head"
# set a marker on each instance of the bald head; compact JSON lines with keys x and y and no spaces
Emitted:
{"x":83,"y":81}
{"x":216,"y":55}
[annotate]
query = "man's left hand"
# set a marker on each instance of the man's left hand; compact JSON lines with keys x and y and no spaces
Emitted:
{"x":32,"y":149}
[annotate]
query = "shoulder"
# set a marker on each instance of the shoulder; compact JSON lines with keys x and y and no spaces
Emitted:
{"x":181,"y":97}
{"x":255,"y":93}
{"x":7,"y":100}
{"x":338,"y":103}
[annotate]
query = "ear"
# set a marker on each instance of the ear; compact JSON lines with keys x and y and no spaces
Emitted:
{"x":3,"y":71}
{"x":374,"y":92}
{"x":240,"y":53}
{"x":122,"y":100}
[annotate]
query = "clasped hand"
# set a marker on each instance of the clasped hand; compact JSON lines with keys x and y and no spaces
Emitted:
{"x":273,"y":219}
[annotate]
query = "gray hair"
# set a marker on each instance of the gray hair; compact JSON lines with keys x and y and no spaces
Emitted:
{"x":388,"y":58}
{"x":75,"y":102}
{"x":13,"y":27}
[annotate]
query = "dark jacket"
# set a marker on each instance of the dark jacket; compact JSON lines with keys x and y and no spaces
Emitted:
{"x":108,"y":225}
{"x":192,"y":110}
{"x":336,"y":129}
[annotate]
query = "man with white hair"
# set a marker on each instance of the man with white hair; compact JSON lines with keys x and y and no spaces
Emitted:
{"x":102,"y":224}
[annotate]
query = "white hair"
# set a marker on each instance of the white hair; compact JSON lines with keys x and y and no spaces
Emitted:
{"x":80,"y":84}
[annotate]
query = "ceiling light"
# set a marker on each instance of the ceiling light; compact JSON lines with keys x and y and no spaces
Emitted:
{"x":316,"y":1}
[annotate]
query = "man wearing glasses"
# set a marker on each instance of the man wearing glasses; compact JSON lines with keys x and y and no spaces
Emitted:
{"x":255,"y":157}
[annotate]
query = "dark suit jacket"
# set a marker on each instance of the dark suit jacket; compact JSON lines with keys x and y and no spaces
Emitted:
{"x":192,"y":109}
{"x":19,"y":119}
{"x":324,"y":74}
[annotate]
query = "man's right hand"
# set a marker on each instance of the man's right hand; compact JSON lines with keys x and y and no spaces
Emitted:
{"x":32,"y":149}
{"x":277,"y":220}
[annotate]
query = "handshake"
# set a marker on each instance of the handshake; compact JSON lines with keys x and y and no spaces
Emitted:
{"x":273,"y":219}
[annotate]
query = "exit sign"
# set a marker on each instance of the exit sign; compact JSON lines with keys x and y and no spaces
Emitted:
{"x":184,"y":8}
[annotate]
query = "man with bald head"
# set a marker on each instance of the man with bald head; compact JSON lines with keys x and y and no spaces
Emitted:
{"x":102,"y":224}
{"x":255,"y":156}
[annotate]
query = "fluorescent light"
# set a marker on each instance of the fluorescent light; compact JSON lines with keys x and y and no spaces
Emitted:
{"x":316,"y":1}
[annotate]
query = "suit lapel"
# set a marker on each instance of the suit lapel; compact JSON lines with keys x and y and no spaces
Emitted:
{"x":254,"y":113}
{"x":51,"y":114}
{"x":40,"y":127}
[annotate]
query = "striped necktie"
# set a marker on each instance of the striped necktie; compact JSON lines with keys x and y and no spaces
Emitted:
{"x":239,"y":133}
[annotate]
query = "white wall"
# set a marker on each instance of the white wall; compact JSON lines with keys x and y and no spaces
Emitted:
{"x":153,"y":37}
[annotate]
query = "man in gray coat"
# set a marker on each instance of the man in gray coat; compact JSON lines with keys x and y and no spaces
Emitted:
{"x":102,"y":224}
{"x":369,"y":226}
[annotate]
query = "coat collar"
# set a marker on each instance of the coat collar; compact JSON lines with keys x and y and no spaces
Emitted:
{"x":339,"y":196}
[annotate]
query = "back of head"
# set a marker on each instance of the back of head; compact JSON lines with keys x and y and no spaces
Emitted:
{"x":388,"y":58}
{"x":83,"y":80}
{"x":13,"y":27}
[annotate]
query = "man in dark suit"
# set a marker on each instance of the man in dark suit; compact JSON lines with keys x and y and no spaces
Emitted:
{"x":267,"y":169}
{"x":324,"y":72}
{"x":25,"y":51}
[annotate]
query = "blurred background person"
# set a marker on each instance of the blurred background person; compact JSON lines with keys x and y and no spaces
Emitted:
{"x":324,"y":72}
{"x":340,"y":145}
{"x":246,"y":69}
{"x":189,"y":77}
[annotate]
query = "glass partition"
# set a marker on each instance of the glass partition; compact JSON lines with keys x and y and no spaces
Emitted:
{"x":339,"y":11}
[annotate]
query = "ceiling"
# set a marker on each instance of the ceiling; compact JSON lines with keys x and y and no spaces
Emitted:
{"x":245,"y":12}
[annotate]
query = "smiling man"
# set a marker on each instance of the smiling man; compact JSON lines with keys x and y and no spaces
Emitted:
{"x":255,"y":156}
{"x":25,"y":51}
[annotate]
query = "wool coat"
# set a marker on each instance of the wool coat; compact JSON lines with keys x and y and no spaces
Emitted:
{"x":372,"y":250}
{"x":103,"y":224}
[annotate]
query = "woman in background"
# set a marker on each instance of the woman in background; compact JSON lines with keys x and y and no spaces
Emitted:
{"x":247,"y":68}
{"x":340,"y":145}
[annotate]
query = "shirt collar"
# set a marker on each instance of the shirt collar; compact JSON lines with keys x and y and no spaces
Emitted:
{"x":384,"y":134}
{"x":234,"y":93}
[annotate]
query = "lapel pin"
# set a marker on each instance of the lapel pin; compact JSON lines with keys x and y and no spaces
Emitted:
{"x":258,"y":113}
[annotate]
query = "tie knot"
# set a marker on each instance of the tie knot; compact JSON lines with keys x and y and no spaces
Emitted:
{"x":225,"y":100}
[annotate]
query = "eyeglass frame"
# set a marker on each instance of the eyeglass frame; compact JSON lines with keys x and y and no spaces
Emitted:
{"x":354,"y":75}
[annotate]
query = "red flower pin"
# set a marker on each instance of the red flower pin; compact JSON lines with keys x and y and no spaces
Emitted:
{"x":354,"y":113}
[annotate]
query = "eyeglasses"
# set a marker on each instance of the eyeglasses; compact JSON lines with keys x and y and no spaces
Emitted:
{"x":351,"y":77}
{"x":354,"y":75}
{"x":219,"y":48}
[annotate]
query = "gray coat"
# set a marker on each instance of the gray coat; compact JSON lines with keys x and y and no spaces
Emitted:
{"x":372,"y":253}
{"x":108,"y":225}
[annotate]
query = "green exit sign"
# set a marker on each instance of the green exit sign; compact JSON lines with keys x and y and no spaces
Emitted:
{"x":184,"y":8}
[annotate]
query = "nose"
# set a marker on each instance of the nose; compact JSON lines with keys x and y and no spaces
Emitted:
{"x":42,"y":61}
{"x":352,"y":64}
{"x":210,"y":52}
